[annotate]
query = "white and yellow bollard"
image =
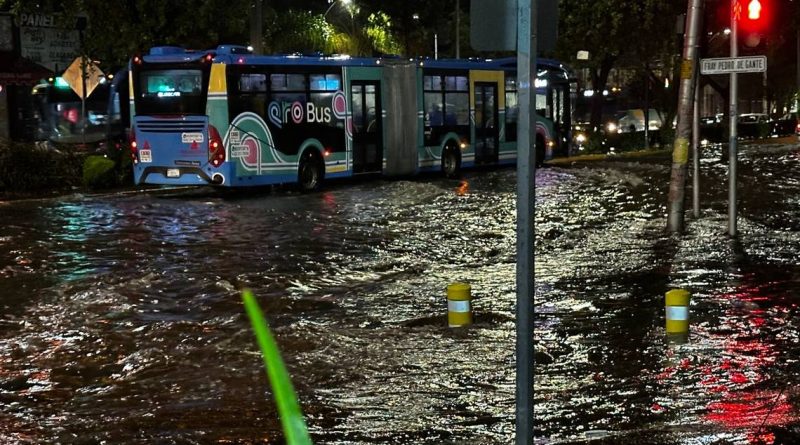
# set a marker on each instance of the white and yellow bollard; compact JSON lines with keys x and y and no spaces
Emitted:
{"x":459,"y":305}
{"x":677,"y":309}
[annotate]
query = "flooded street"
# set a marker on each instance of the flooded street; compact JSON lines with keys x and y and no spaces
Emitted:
{"x":121,"y":320}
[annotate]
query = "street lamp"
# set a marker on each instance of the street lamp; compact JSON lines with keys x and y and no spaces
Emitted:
{"x":345,"y":3}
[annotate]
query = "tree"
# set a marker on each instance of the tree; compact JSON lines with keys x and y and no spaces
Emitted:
{"x":119,"y":29}
{"x":415,"y":22}
{"x":614,"y":31}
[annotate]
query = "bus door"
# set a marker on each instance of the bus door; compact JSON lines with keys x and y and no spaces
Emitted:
{"x":486,"y":128}
{"x":367,"y":126}
{"x":563,"y":118}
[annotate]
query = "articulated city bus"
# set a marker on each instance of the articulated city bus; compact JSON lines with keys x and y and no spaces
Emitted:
{"x":229,"y":118}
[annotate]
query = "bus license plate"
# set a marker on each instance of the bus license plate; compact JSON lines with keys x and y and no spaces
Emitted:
{"x":173,"y":173}
{"x":145,"y":156}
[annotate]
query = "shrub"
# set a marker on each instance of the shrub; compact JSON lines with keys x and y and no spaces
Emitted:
{"x":24,"y":167}
{"x":99,"y":172}
{"x":595,"y":144}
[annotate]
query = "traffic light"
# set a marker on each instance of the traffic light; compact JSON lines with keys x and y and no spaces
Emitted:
{"x":755,"y":15}
{"x":754,"y":10}
{"x":754,"y":21}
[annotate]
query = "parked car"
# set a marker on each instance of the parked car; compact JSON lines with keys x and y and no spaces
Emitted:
{"x":786,"y":125}
{"x":712,"y":129}
{"x":753,"y":126}
{"x":630,"y":121}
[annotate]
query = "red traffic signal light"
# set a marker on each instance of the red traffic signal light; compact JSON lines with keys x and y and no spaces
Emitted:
{"x":754,"y":10}
{"x":755,"y":16}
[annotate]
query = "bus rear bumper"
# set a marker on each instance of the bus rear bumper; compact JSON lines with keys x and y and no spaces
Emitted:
{"x":179,"y":176}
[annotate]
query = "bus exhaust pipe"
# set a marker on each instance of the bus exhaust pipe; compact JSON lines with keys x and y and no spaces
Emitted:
{"x":217,"y":179}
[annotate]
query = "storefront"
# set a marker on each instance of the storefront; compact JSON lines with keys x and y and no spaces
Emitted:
{"x":17,"y":78}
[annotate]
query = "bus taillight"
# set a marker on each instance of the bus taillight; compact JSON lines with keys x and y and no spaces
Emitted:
{"x":216,"y":151}
{"x":134,"y":147}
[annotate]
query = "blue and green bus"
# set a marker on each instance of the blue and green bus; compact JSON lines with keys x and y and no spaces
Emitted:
{"x":227,"y":117}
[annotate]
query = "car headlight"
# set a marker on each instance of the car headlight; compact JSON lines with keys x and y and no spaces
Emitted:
{"x":580,"y":138}
{"x":611,"y":127}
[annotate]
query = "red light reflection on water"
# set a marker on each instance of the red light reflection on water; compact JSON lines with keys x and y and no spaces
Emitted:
{"x":462,"y":188}
{"x":750,"y":410}
{"x":742,"y":354}
{"x":749,"y":356}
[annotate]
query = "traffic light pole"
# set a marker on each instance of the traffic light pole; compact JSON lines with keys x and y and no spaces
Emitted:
{"x":696,"y":147}
{"x":736,"y":10}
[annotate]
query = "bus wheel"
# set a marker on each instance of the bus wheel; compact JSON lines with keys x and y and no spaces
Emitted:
{"x":451,"y":162}
{"x":310,"y":173}
{"x":540,"y":152}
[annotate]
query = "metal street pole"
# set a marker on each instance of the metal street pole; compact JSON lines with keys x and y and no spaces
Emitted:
{"x":646,"y":105}
{"x":696,"y":130}
{"x":696,"y":147}
{"x":797,"y":87}
{"x":256,"y":21}
{"x":458,"y":25}
{"x":680,"y":149}
{"x":83,"y":97}
{"x":526,"y":164}
{"x":733,"y":121}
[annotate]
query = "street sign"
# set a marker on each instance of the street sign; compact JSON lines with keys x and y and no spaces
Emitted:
{"x":73,"y":77}
{"x":493,"y":25}
{"x":728,"y":65}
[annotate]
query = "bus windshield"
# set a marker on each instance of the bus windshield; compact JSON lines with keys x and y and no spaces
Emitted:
{"x":171,"y":90}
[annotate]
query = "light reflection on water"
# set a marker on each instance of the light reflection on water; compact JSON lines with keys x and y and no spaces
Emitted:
{"x":122,"y":322}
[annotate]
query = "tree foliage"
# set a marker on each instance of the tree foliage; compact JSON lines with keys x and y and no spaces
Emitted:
{"x":618,"y":33}
{"x":631,"y":34}
{"x":299,"y":32}
{"x":119,"y":29}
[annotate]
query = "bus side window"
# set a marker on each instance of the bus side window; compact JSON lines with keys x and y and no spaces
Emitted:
{"x":434,"y":116}
{"x":250,"y":95}
{"x":433,"y":101}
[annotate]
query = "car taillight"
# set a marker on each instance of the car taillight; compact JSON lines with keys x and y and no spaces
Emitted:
{"x":134,"y":147}
{"x":216,"y":151}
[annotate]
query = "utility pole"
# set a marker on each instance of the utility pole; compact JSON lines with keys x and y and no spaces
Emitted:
{"x":680,"y":148}
{"x":458,"y":25}
{"x":256,"y":21}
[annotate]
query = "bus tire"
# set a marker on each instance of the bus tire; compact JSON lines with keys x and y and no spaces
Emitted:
{"x":451,"y":162}
{"x":540,"y":151}
{"x":310,"y":172}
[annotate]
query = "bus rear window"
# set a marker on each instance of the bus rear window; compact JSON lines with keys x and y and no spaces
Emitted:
{"x":171,"y":91}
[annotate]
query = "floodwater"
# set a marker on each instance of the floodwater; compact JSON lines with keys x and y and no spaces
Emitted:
{"x":121,"y":322}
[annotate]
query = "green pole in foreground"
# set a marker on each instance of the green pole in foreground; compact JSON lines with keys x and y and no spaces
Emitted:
{"x":294,"y":426}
